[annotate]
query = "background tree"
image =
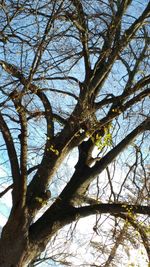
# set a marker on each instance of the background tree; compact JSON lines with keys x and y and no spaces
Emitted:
{"x":74,"y":83}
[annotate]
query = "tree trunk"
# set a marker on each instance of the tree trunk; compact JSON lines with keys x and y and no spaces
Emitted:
{"x":20,"y":244}
{"x":14,"y":255}
{"x":18,"y":251}
{"x":15,"y":248}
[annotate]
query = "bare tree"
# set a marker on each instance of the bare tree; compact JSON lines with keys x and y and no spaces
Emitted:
{"x":74,"y":83}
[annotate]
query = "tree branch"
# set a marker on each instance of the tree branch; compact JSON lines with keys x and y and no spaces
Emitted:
{"x":82,"y":178}
{"x":140,"y":228}
{"x":58,"y":216}
{"x":112,"y":209}
{"x":13,"y":159}
{"x":6,"y":190}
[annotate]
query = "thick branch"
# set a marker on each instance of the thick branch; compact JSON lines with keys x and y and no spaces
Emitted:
{"x":58,"y":216}
{"x":82,"y":178}
{"x":23,"y":144}
{"x":112,"y":209}
{"x":12,"y":158}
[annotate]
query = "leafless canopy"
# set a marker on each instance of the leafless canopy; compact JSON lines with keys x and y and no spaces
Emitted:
{"x":74,"y":124}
